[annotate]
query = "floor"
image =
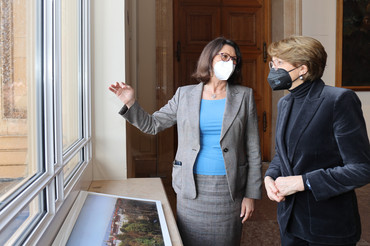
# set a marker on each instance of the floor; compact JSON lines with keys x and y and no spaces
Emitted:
{"x":262,"y":229}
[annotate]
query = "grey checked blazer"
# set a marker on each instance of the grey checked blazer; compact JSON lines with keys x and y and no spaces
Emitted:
{"x":239,"y":138}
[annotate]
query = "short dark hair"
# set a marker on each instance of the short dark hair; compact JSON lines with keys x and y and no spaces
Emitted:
{"x":204,"y":66}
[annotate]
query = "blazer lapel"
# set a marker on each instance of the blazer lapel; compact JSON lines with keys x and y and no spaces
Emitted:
{"x":194,"y":110}
{"x":281,"y":124}
{"x":306,"y":113}
{"x":233,"y":102}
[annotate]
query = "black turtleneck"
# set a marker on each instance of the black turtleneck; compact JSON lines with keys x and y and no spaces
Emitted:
{"x":298,"y":96}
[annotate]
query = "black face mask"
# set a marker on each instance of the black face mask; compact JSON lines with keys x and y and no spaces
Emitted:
{"x":280,"y":79}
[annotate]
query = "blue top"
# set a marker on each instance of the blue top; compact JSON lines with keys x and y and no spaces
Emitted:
{"x":210,"y":160}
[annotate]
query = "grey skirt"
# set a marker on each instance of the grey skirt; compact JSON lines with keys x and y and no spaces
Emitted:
{"x":213,"y":218}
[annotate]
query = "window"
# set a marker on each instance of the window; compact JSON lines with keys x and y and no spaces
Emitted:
{"x":71,"y":79}
{"x":18,"y":96}
{"x":44,"y":111}
{"x":71,"y":83}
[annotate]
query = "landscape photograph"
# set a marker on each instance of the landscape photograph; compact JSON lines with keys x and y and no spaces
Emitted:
{"x":107,"y":220}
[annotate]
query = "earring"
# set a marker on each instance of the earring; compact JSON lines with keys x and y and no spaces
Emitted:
{"x":301,"y":77}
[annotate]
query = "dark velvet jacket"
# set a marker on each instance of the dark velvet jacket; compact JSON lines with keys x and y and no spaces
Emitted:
{"x":331,"y":150}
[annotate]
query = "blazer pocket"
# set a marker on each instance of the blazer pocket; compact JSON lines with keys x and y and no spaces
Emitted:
{"x":177,"y":176}
{"x":334,"y":217}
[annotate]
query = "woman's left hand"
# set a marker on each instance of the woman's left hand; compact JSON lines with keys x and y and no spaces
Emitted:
{"x":247,"y":208}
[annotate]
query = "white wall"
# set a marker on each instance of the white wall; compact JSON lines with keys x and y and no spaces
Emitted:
{"x":319,"y":21}
{"x":108,"y":66}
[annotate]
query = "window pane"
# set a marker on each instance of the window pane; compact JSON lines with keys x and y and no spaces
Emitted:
{"x":72,"y":165}
{"x":71,"y":78}
{"x":23,"y":222}
{"x":19,"y":94}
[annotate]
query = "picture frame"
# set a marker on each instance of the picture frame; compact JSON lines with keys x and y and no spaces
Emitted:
{"x":102,"y":219}
{"x":353,"y":46}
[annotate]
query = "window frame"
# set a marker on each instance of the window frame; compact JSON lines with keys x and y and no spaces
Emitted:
{"x":48,"y":62}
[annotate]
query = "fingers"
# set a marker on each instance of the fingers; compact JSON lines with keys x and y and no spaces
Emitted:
{"x":289,"y":185}
{"x":246,"y":215}
{"x":247,"y":209}
{"x":283,"y":189}
{"x":270,"y":183}
{"x":274,"y":196}
{"x":242,"y":213}
{"x":271,"y":188}
{"x":273,"y":192}
{"x":113,"y":87}
{"x":123,"y":85}
{"x":278,"y":189}
{"x":118,"y":85}
{"x":282,"y":185}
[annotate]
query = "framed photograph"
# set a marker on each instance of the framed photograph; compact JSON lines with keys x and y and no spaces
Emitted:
{"x":353,"y":44}
{"x":101,"y":219}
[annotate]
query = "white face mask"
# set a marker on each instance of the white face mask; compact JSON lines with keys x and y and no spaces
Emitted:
{"x":223,"y":70}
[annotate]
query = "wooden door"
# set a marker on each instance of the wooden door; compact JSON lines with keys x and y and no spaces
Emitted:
{"x":196,"y":22}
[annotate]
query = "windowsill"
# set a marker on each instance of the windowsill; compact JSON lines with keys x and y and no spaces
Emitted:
{"x":146,"y":188}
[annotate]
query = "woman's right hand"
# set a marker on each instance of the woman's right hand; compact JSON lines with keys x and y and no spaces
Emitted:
{"x":272,"y":191}
{"x":124,"y":92}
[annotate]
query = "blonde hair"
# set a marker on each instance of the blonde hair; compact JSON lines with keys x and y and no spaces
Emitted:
{"x":301,"y":50}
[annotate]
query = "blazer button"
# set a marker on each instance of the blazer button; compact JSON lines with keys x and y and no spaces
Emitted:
{"x":226,"y":149}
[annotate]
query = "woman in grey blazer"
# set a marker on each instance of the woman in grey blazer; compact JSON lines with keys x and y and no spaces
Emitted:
{"x":322,"y":149}
{"x":217,"y":168}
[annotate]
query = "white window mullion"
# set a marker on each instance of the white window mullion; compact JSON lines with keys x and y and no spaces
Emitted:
{"x":58,"y":167}
{"x":86,"y":76}
{"x":49,"y":88}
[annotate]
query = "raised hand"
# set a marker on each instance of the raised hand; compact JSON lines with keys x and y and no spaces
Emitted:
{"x":124,"y":92}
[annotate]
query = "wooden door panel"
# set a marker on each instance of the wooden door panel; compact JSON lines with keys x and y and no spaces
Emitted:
{"x":251,"y":72}
{"x":197,"y":27}
{"x":187,"y":68}
{"x":252,"y":78}
{"x":243,"y":25}
{"x":249,"y":69}
{"x":200,"y":2}
{"x":248,"y":3}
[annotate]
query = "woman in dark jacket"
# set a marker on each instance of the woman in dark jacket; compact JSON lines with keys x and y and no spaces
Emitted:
{"x":322,"y":149}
